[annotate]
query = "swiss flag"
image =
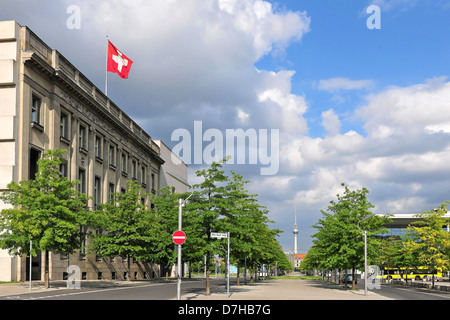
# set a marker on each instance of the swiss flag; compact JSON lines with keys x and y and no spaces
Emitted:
{"x":118,"y":62}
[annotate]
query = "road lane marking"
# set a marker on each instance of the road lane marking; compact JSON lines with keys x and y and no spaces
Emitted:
{"x":95,"y":291}
{"x":430,"y":293}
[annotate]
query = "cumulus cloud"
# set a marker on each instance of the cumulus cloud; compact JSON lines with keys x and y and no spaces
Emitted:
{"x":331,"y":123}
{"x":197,"y":58}
{"x":405,"y":110}
{"x":402,"y":157}
{"x":338,"y":84}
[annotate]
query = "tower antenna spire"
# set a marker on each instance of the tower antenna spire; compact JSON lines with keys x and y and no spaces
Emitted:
{"x":295,"y":231}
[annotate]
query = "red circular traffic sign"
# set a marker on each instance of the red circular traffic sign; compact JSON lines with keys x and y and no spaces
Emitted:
{"x":179,"y":237}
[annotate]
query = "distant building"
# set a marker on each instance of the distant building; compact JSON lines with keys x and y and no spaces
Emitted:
{"x":296,"y":259}
{"x":172,"y":168}
{"x":47,"y":103}
{"x":399,"y":222}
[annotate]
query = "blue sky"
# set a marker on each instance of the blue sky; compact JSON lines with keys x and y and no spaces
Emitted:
{"x":370,"y":108}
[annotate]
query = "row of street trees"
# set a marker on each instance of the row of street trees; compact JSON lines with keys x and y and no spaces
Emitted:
{"x":339,"y":243}
{"x":52,"y":213}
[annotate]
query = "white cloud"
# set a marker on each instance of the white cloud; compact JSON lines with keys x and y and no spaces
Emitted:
{"x":387,"y":5}
{"x":331,"y":123}
{"x":197,"y":58}
{"x":283,"y":109}
{"x":338,"y":84}
{"x":404,"y":110}
{"x":402,"y":160}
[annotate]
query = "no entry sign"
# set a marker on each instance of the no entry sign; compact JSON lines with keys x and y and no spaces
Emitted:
{"x":179,"y":237}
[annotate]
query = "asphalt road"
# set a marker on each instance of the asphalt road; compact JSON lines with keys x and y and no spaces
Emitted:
{"x":399,"y":292}
{"x":144,"y":291}
{"x":403,"y":292}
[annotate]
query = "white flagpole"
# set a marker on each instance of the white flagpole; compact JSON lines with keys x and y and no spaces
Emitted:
{"x":106,"y":69}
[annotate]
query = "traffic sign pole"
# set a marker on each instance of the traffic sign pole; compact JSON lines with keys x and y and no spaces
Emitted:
{"x":228,"y":262}
{"x":180,"y":210}
{"x":217,"y":235}
{"x":181,"y":203}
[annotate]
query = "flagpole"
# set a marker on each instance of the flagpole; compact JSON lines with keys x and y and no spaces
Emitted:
{"x":106,"y":69}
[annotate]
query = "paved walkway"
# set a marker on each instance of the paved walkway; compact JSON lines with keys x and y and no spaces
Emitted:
{"x":289,"y":289}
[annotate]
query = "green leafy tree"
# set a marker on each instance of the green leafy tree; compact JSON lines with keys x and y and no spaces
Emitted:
{"x":47,"y":210}
{"x":339,"y":242}
{"x":243,"y":219}
{"x":127,"y":227}
{"x":204,"y":209}
{"x":428,"y":242}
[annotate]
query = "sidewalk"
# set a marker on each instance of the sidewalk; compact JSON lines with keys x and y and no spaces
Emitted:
{"x":288,"y":289}
{"x":11,"y":289}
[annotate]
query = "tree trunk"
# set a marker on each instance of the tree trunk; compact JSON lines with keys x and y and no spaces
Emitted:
{"x":129,"y":268}
{"x":353,"y":278}
{"x":207,"y":291}
{"x":46,"y":270}
{"x":237,"y":276}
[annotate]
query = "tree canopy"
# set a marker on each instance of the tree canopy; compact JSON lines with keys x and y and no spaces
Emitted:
{"x":47,"y":210}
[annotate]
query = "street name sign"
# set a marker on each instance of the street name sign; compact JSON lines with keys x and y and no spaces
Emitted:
{"x":219,"y":235}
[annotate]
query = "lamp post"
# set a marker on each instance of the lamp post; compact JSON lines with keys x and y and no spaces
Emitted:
{"x":365,"y":250}
{"x":181,"y":204}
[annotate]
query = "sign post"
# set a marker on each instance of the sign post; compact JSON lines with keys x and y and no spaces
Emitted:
{"x":217,"y":235}
{"x":179,"y":237}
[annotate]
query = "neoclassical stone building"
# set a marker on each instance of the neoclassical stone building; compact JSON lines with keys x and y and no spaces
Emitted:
{"x":47,"y":103}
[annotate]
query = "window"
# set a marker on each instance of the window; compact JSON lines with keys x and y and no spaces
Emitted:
{"x":36,"y":110}
{"x":112,"y":156}
{"x":111,"y":192}
{"x":63,"y":169}
{"x":83,"y":232}
{"x":143,"y":178}
{"x":98,"y":147}
{"x":134,"y":169}
{"x":33,"y":165}
{"x":153,"y":182}
{"x":64,"y":125}
{"x":83,"y":136}
{"x":82,"y":179}
{"x":123,"y":162}
{"x":97,"y":192}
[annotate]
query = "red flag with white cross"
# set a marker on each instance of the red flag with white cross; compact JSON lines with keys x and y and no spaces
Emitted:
{"x":118,"y":62}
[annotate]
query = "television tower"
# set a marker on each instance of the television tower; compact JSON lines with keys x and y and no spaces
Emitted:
{"x":295,"y":231}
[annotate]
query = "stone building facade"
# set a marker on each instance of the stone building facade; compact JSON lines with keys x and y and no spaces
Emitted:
{"x":47,"y":103}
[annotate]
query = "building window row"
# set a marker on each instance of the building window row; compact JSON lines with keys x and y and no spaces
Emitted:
{"x":116,"y":157}
{"x":98,"y":149}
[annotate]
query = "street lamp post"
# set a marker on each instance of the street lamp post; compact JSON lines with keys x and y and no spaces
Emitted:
{"x":365,"y":250}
